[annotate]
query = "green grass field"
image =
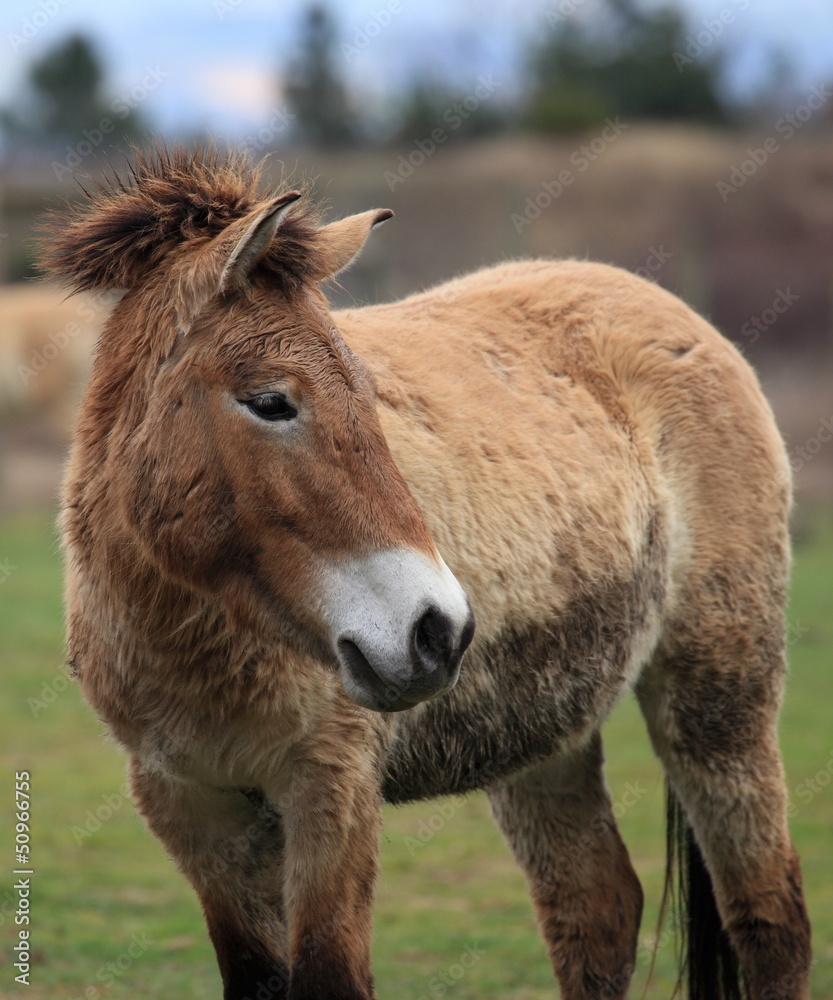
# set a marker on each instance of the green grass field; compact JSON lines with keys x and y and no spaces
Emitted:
{"x":111,"y":918}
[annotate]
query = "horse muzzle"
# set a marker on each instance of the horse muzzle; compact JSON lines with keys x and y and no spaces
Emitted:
{"x":400,"y":624}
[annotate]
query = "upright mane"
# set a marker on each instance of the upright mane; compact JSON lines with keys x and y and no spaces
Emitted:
{"x":127,"y":224}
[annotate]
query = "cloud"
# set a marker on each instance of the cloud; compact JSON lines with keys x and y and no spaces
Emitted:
{"x":236,"y":89}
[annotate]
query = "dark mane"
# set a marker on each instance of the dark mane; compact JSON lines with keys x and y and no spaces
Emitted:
{"x":126,"y":225}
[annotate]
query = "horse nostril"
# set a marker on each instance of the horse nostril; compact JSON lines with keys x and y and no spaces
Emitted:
{"x":358,"y":664}
{"x":468,"y":633}
{"x":433,"y":639}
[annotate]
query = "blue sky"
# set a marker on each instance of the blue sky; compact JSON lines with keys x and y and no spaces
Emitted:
{"x":218,"y":63}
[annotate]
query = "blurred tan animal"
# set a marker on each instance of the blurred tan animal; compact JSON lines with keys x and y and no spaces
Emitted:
{"x":46,"y":346}
{"x":257,"y":499}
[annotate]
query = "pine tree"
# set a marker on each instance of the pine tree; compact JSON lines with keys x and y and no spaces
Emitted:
{"x":315,"y":91}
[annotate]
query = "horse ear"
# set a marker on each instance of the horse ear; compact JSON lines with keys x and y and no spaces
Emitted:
{"x":225,"y":262}
{"x":341,"y":242}
{"x":246,"y":241}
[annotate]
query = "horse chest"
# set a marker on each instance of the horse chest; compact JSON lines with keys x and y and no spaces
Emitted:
{"x":227,"y":756}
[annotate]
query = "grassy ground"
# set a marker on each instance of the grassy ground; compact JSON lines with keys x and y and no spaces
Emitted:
{"x":111,"y":918}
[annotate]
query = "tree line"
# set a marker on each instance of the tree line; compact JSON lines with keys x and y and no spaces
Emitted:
{"x":626,"y":62}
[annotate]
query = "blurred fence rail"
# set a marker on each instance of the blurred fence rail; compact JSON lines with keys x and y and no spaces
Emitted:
{"x":741,"y":230}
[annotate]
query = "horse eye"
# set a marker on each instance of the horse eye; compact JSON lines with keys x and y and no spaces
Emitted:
{"x":271,"y":406}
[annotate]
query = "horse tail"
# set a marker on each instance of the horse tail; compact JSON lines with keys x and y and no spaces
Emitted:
{"x":708,"y":963}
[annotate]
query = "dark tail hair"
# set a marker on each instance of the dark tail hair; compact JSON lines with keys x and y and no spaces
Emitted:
{"x":707,"y":961}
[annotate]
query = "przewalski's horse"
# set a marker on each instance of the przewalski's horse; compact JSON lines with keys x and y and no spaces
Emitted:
{"x":253,"y":517}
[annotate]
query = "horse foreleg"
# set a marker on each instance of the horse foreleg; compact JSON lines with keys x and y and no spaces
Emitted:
{"x":230,"y":845}
{"x":558,"y":820}
{"x":332,"y":824}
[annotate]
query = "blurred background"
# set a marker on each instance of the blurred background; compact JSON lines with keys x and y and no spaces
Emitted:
{"x":690,"y":141}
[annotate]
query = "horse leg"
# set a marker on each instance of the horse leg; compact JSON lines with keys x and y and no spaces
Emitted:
{"x":558,"y":820}
{"x":230,"y":846}
{"x":332,"y":822}
{"x":715,"y":731}
{"x":286,"y":875}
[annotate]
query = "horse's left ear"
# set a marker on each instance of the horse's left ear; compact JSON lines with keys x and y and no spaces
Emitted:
{"x":341,"y":242}
{"x":225,"y":263}
{"x":246,"y":241}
